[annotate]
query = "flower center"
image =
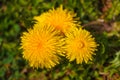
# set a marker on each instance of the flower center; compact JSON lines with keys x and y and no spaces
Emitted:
{"x":81,"y":44}
{"x":58,"y":27}
{"x":39,"y":46}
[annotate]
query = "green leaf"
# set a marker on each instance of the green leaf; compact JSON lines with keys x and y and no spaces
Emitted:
{"x":116,"y":61}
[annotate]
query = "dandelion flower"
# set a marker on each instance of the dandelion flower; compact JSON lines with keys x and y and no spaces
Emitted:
{"x":59,"y":18}
{"x":80,"y":45}
{"x":41,"y":46}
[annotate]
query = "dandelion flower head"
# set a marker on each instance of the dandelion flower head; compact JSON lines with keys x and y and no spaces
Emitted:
{"x":59,"y":18}
{"x":80,"y":45}
{"x":41,"y":46}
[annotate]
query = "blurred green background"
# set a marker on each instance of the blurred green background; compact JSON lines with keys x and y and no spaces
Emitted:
{"x":100,"y":17}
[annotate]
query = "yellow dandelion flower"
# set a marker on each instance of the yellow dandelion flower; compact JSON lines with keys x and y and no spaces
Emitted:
{"x":41,"y":46}
{"x":59,"y":18}
{"x":80,"y":45}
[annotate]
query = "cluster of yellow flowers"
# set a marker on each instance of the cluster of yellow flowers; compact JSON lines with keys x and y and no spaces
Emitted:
{"x":56,"y":34}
